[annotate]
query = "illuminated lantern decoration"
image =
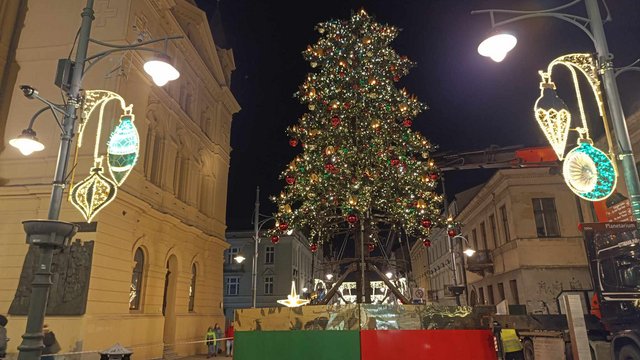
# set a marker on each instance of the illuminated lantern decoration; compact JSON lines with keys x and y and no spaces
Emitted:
{"x":290,"y":180}
{"x":275,"y":239}
{"x":589,"y":172}
{"x":451,"y":232}
{"x":313,"y":247}
{"x":93,"y":193}
{"x":352,"y":218}
{"x":283,"y":226}
{"x":122,"y":149}
{"x":553,"y":116}
{"x":426,"y":243}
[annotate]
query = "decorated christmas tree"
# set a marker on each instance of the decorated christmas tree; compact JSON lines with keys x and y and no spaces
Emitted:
{"x":362,"y":168}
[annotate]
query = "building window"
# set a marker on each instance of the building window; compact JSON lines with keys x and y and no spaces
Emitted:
{"x":269,"y":254}
{"x":544,"y":211}
{"x":500,"y":291}
{"x":494,"y":233}
{"x":135,"y":291}
{"x":483,"y":234}
{"x":514,"y":291}
{"x":231,"y":254}
{"x":268,"y":285}
{"x":490,"y":295}
{"x":192,"y":288}
{"x":474,"y":238}
{"x":481,"y":296}
{"x":231,"y":285}
{"x":505,"y":223}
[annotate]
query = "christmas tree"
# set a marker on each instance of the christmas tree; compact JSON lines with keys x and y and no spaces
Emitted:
{"x":362,"y":167}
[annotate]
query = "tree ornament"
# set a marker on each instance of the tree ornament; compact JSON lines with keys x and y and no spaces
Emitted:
{"x":314,"y":178}
{"x":329,"y":167}
{"x":421,"y":204}
{"x":407,"y":122}
{"x":283,"y":226}
{"x":375,"y":123}
{"x":275,"y":239}
{"x":333,"y":104}
{"x":312,"y":93}
{"x":290,"y":180}
{"x":426,"y":243}
{"x":329,"y":150}
{"x":395,"y":162}
{"x":293,"y":142}
{"x":286,"y":208}
{"x":451,"y":232}
{"x":313,"y":247}
{"x":426,"y":223}
{"x":372,"y":80}
{"x":367,"y":40}
{"x":335,"y":121}
{"x":353,"y":200}
{"x":347,"y":105}
{"x":403,"y":107}
{"x":371,"y":247}
{"x":433,"y":176}
{"x":352,"y":218}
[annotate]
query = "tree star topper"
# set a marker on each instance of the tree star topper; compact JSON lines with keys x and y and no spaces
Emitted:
{"x":293,"y":299}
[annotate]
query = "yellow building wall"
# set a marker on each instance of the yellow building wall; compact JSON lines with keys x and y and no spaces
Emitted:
{"x":147,"y":213}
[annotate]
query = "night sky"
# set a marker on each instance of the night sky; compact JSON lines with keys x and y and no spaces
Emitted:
{"x":473,"y":102}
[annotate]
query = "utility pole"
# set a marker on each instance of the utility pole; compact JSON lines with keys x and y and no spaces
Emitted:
{"x":256,"y":241}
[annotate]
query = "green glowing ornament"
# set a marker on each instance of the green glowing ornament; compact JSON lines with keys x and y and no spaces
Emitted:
{"x":123,"y":149}
{"x":589,"y":172}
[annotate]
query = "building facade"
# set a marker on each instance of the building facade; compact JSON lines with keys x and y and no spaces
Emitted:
{"x":523,"y":224}
{"x":153,"y":255}
{"x":278,"y":265}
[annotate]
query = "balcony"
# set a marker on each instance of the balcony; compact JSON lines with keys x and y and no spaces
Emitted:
{"x":480,"y":263}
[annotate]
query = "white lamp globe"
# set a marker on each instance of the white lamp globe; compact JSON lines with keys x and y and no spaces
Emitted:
{"x":27,"y":143}
{"x":161,"y":70}
{"x":497,"y":46}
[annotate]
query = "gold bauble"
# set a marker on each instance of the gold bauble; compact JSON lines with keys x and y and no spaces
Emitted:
{"x":314,"y":178}
{"x":421,"y":204}
{"x":312,"y":107}
{"x":372,"y":80}
{"x":334,"y":104}
{"x":424,"y":178}
{"x":367,"y":40}
{"x":352,"y":200}
{"x":375,"y":123}
{"x":312,"y":93}
{"x":403,"y":107}
{"x":425,"y":155}
{"x":286,"y":208}
{"x":330,"y":150}
{"x":314,"y":64}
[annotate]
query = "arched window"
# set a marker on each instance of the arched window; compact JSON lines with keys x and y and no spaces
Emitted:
{"x":192,"y":288}
{"x":135,"y":292}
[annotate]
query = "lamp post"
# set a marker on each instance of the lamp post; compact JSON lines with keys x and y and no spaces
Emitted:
{"x":257,"y":226}
{"x":593,"y":27}
{"x":47,"y":235}
{"x":468,"y":251}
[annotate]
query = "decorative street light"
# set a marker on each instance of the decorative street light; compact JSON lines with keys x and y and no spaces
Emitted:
{"x":497,"y":46}
{"x":468,"y":251}
{"x":51,"y":234}
{"x":592,"y":26}
{"x":239,"y":258}
{"x":257,"y":226}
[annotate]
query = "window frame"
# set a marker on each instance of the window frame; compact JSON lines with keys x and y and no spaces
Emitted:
{"x":192,"y":287}
{"x":227,"y":285}
{"x":269,"y":255}
{"x":137,"y":275}
{"x":505,"y":223}
{"x":548,"y":217}
{"x":268,"y":285}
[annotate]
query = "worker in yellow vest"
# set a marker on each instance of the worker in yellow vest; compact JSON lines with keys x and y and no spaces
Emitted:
{"x":511,"y":345}
{"x":211,"y":342}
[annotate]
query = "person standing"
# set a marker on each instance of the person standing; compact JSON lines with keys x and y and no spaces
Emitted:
{"x":3,"y":336}
{"x":216,"y":344}
{"x":229,"y":335}
{"x":211,"y":341}
{"x":51,"y":345}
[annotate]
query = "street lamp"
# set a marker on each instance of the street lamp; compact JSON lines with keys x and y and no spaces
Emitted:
{"x":497,"y":46}
{"x":468,"y":251}
{"x":592,"y":26}
{"x":257,"y":225}
{"x":239,"y":258}
{"x":51,"y":234}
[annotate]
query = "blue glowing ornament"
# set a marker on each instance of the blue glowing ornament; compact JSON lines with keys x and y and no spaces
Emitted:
{"x":589,"y":172}
{"x":122,"y":151}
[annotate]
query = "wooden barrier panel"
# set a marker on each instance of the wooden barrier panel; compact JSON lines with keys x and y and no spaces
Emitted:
{"x":427,"y":344}
{"x":297,"y":345}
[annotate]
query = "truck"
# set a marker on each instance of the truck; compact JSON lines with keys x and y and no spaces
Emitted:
{"x":613,"y":318}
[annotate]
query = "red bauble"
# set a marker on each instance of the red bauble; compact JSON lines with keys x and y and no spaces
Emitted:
{"x":352,"y":218}
{"x":451,"y":232}
{"x":371,"y":247}
{"x":347,"y":105}
{"x":290,"y":180}
{"x":275,"y":239}
{"x":313,"y":247}
{"x":426,"y":243}
{"x":396,"y":78}
{"x":329,"y":167}
{"x":293,"y":142}
{"x":426,"y":223}
{"x":283,"y":226}
{"x":395,"y":162}
{"x":433,"y":176}
{"x":335,"y":121}
{"x":407,"y":122}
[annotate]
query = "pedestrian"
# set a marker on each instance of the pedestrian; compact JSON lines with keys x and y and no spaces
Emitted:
{"x":3,"y":336}
{"x":511,"y":345}
{"x":211,"y":341}
{"x":216,"y":344}
{"x":229,"y":335}
{"x":51,"y":345}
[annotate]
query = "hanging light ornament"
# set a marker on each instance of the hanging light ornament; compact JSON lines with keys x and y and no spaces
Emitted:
{"x":552,"y":115}
{"x":96,"y":191}
{"x":589,"y":172}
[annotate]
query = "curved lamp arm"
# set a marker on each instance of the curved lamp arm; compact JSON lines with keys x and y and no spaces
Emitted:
{"x":578,"y":21}
{"x":630,"y":67}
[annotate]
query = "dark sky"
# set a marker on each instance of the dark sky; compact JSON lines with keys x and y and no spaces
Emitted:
{"x":473,"y":101}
